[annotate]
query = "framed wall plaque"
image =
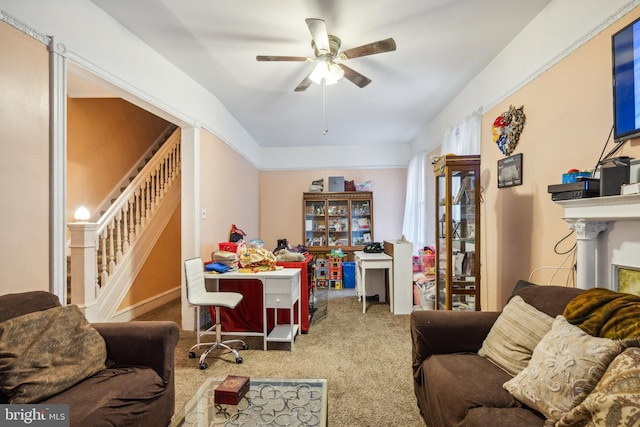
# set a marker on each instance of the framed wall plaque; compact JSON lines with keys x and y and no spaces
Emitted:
{"x":510,"y":171}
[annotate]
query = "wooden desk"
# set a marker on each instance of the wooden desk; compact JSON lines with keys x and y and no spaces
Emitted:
{"x":366,"y":261}
{"x":280,"y":289}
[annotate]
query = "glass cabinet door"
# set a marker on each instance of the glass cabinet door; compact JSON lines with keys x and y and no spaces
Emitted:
{"x":360,"y":222}
{"x":338,"y":222}
{"x":458,"y":282}
{"x":315,"y":226}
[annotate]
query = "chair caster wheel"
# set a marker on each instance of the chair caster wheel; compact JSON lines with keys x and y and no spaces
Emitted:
{"x":203,"y":366}
{"x":239,"y":360}
{"x":245,"y":347}
{"x":192,"y":355}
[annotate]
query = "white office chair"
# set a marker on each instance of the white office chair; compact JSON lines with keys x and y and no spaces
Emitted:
{"x":198,"y":296}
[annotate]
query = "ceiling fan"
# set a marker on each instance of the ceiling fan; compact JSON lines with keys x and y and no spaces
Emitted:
{"x":330,"y":67}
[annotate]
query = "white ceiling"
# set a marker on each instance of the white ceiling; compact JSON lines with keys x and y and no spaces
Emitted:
{"x":441,"y":45}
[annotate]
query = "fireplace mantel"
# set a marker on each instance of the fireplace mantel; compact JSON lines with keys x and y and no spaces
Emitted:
{"x":588,"y":218}
{"x":610,"y":208}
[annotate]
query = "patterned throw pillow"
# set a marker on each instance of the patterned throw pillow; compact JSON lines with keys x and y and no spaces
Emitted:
{"x":615,"y":401}
{"x":514,"y":335}
{"x":45,"y":352}
{"x":565,"y":366}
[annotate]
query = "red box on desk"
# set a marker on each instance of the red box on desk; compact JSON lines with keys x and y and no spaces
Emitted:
{"x":228,"y":246}
{"x":231,"y":390}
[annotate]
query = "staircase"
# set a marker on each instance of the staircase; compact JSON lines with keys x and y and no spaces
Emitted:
{"x":107,"y":253}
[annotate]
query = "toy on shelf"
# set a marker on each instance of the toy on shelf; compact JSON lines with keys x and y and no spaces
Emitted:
{"x":428,"y":260}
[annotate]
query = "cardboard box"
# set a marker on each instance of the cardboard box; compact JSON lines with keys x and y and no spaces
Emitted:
{"x":231,"y":390}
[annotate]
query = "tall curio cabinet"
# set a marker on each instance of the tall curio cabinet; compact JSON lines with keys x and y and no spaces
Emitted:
{"x":457,"y":232}
{"x":337,"y":220}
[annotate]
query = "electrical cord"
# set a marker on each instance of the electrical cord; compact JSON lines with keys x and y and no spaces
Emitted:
{"x":555,"y":247}
{"x":570,"y":255}
{"x":603,"y":159}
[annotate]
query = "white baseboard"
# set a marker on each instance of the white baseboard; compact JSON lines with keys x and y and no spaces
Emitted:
{"x":146,"y":306}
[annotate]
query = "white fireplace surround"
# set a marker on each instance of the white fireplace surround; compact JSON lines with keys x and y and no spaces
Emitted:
{"x":607,"y":235}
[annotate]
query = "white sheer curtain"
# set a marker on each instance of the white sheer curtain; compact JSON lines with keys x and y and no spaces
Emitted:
{"x":414,"y":226}
{"x":464,"y":138}
{"x":419,"y":210}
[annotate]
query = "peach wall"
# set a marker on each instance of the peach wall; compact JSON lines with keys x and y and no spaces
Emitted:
{"x":228,"y":192}
{"x":569,"y":115}
{"x":24,"y":163}
{"x":281,"y":201}
{"x":105,"y":139}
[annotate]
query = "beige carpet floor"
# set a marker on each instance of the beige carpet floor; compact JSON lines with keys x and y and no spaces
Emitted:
{"x":366,"y":359}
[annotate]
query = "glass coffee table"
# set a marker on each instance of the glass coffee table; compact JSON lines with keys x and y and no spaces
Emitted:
{"x":290,"y":402}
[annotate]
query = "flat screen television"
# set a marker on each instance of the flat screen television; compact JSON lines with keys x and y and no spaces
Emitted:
{"x":626,"y":82}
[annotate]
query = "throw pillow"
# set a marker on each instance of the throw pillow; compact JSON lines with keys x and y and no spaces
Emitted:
{"x":514,"y":335}
{"x":615,"y":401}
{"x":45,"y":352}
{"x":564,"y":367}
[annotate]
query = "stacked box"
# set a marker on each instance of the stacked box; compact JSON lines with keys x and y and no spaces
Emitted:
{"x":322,"y":263}
{"x":335,"y":272}
{"x":322,"y":270}
{"x":335,"y":260}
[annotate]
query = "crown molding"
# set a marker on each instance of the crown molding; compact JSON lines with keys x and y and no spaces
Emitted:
{"x":21,"y":26}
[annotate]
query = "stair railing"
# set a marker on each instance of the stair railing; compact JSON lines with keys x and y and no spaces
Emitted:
{"x":97,"y":248}
{"x":135,"y":169}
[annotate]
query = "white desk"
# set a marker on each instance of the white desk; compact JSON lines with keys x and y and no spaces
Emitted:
{"x":280,"y":289}
{"x":366,"y":261}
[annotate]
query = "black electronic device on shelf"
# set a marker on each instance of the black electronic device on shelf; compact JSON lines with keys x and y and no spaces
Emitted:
{"x":614,"y":173}
{"x":581,"y":189}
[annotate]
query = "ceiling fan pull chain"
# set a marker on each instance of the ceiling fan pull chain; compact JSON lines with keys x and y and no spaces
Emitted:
{"x":324,"y":105}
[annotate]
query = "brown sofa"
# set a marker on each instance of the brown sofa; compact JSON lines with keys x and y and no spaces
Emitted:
{"x":136,"y":388}
{"x":456,"y":387}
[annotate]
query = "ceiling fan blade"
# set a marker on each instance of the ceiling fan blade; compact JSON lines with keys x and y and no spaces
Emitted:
{"x":271,"y":58}
{"x":304,"y":84}
{"x":381,"y":46}
{"x":318,"y":30}
{"x":355,"y":77}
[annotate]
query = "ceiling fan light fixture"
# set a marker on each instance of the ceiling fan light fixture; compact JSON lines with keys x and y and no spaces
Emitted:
{"x":329,"y":71}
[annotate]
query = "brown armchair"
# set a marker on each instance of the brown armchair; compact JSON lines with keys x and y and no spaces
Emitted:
{"x":137,"y":387}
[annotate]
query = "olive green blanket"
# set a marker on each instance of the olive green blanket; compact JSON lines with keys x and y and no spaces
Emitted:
{"x":604,"y":313}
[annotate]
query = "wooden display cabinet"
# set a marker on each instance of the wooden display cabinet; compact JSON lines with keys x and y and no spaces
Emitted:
{"x":341,"y":220}
{"x":457,"y":265}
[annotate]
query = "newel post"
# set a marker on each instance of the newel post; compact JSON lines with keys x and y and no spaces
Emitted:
{"x":84,"y":276}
